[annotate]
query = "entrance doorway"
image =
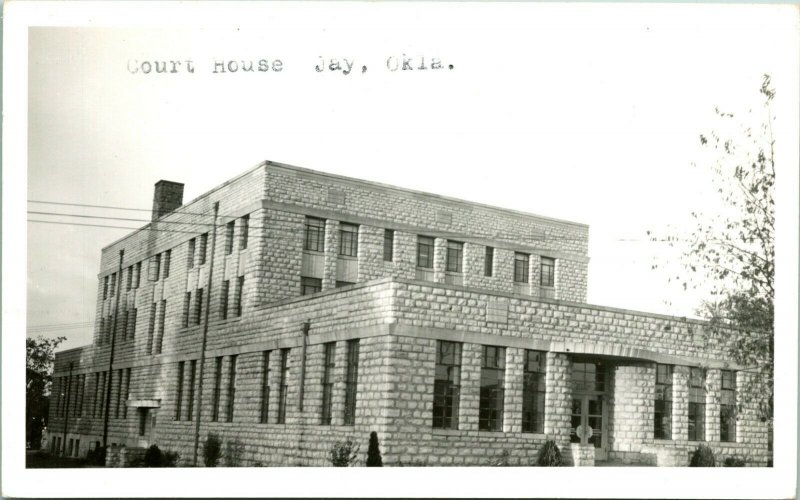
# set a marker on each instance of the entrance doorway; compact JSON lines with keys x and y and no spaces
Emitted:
{"x":147,"y":426}
{"x":589,"y":402}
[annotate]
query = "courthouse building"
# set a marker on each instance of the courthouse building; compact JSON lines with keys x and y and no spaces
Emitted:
{"x":315,"y":308}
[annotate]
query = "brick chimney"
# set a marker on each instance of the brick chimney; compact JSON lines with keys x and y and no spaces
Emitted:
{"x":167,"y":197}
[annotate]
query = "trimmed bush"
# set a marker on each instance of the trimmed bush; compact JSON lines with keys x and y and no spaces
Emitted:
{"x":154,"y":457}
{"x":212,"y":450}
{"x":703,"y":456}
{"x":549,"y":455}
{"x":734,"y":462}
{"x":96,"y":456}
{"x":344,"y":453}
{"x":374,"y":452}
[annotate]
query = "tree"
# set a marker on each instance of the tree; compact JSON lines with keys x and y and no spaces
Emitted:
{"x":374,"y":451}
{"x":39,"y":358}
{"x":732,"y":252}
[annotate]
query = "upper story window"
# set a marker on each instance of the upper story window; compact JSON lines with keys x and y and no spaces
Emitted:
{"x":348,"y":240}
{"x":662,"y":424}
{"x":113,"y":284}
{"x":244,"y":225}
{"x":129,"y":283}
{"x":521,"y":261}
{"x":455,"y":256}
{"x":229,"y":230}
{"x":727,"y":411}
{"x":547,"y":275}
{"x":167,"y":258}
{"x":446,"y":385}
{"x":201,"y":259}
{"x":425,"y":252}
{"x":697,"y":404}
{"x":105,"y":287}
{"x":138,"y":276}
{"x":388,"y":245}
{"x":155,"y":268}
{"x":315,"y":235}
{"x":190,"y":254}
{"x":488,"y":262}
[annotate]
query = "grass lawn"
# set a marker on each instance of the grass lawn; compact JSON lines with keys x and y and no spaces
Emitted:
{"x":42,"y":460}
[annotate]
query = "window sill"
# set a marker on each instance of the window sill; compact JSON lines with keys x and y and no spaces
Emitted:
{"x":347,"y":257}
{"x":446,"y":432}
{"x":314,"y":252}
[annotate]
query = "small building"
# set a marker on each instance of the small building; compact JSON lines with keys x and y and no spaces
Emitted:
{"x":287,"y":310}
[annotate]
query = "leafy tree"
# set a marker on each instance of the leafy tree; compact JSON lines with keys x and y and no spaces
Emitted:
{"x":38,"y":377}
{"x":732,"y":252}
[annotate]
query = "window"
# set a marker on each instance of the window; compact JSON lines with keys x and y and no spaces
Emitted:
{"x":127,"y":392}
{"x":388,"y":245}
{"x":265,"y":388}
{"x":82,"y":394}
{"x":446,"y":385}
{"x":190,"y":253}
{"x":663,"y":404}
{"x":216,"y":394}
{"x":124,"y":324}
{"x":727,"y":411}
{"x":201,"y":259}
{"x":103,"y":377}
{"x":101,"y":337}
{"x":490,"y":412}
{"x":137,"y":278}
{"x":310,"y":285}
{"x":284,"y":387}
{"x":244,"y":224}
{"x":105,"y":287}
{"x":187,"y":301}
{"x":697,"y":404}
{"x":156,"y":269}
{"x":327,"y":382}
{"x":229,"y":229}
{"x":315,"y":235}
{"x":167,"y":259}
{"x":142,"y":421}
{"x":351,"y":382}
{"x":455,"y":253}
{"x":223,"y":300}
{"x":239,"y":295}
{"x":161,"y":317}
{"x":190,"y":399}
{"x":425,"y":252}
{"x":113,"y":284}
{"x":488,"y":262}
{"x":548,"y":272}
{"x":348,"y":240}
{"x":521,"y":267}
{"x":179,"y":391}
{"x":588,"y":376}
{"x":340,"y":284}
{"x":152,"y":329}
{"x":231,"y":388}
{"x":198,"y":306}
{"x":533,"y":391}
{"x":96,"y":400}
{"x":129,"y":283}
{"x":119,"y":394}
{"x":131,"y":326}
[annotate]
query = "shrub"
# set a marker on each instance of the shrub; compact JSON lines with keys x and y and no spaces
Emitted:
{"x":374,"y":452}
{"x":153,"y":457}
{"x":549,"y":455}
{"x":344,"y":453}
{"x":734,"y":462}
{"x":96,"y":456}
{"x":234,"y":450}
{"x":499,"y":461}
{"x":212,"y":450}
{"x":703,"y":456}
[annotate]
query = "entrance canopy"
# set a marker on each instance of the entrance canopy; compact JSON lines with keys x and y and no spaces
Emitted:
{"x":143,"y":403}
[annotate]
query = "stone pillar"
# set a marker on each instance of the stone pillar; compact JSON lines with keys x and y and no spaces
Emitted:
{"x":405,"y":255}
{"x":680,"y":403}
{"x":339,"y":383}
{"x":274,"y":385}
{"x":558,"y":399}
{"x":331,"y":254}
{"x":514,"y":377}
{"x":713,"y":388}
{"x":470,"y":386}
{"x":439,"y":259}
{"x":370,"y":253}
{"x":750,"y":430}
{"x":534,"y":268}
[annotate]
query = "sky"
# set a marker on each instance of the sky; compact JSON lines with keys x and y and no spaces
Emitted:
{"x":579,"y":112}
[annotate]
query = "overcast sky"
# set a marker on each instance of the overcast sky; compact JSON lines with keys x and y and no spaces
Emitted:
{"x":585,"y":113}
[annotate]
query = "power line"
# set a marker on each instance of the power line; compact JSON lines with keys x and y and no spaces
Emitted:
{"x":117,"y":208}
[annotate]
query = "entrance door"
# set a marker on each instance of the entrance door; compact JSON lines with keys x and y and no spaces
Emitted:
{"x":588,"y":425}
{"x":147,"y":426}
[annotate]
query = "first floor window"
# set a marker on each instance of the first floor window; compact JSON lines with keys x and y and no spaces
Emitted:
{"x":265,"y":388}
{"x":231,"y":388}
{"x":493,"y":367}
{"x":216,"y":394}
{"x":727,"y":411}
{"x":284,"y":387}
{"x":697,"y":404}
{"x":190,"y":398}
{"x":533,"y":391}
{"x":310,"y":285}
{"x":662,"y":424}
{"x":127,"y":392}
{"x":327,"y":381}
{"x":179,"y":392}
{"x":351,"y":382}
{"x":446,"y":385}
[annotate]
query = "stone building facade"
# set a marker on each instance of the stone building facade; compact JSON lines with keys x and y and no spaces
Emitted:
{"x":315,"y":308}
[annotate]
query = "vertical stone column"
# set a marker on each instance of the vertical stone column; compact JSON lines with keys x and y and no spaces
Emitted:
{"x":405,"y":255}
{"x":534,"y":269}
{"x":514,"y":377}
{"x":439,"y":259}
{"x":339,"y":380}
{"x":558,"y":398}
{"x":370,"y":253}
{"x":504,"y":269}
{"x":680,"y":403}
{"x":750,"y":430}
{"x":331,"y":254}
{"x":470,"y":386}
{"x":713,"y":388}
{"x":274,"y":385}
